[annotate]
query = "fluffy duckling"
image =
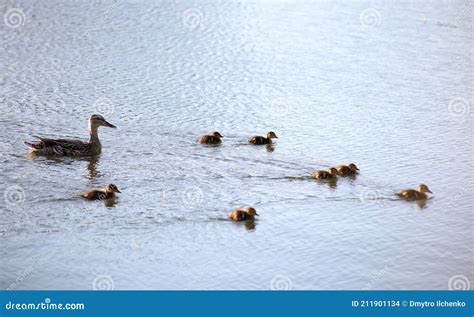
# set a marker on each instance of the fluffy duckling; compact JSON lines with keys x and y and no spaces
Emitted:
{"x":259,"y":140}
{"x":330,"y":174}
{"x":243,"y":214}
{"x":413,"y":194}
{"x":213,"y":138}
{"x":106,"y":192}
{"x":346,"y":170}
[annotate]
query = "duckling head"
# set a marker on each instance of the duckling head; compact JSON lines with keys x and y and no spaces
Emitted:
{"x":424,"y":189}
{"x":332,"y":171}
{"x":353,"y":167}
{"x":112,"y":188}
{"x":251,"y":211}
{"x":216,"y":134}
{"x":271,"y":135}
{"x":96,"y":120}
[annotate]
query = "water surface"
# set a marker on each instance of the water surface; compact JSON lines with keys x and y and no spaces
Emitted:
{"x":391,"y":92}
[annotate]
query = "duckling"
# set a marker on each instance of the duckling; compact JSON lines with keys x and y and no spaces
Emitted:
{"x":106,"y":192}
{"x":330,"y":174}
{"x":346,"y":170}
{"x":413,"y":194}
{"x":212,"y":138}
{"x":64,"y":147}
{"x":243,"y":214}
{"x":259,"y":140}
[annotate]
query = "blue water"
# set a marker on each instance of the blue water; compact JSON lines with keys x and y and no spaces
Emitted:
{"x":385,"y":85}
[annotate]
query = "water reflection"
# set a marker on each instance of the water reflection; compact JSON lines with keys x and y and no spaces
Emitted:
{"x":332,"y":183}
{"x":92,"y":162}
{"x":92,"y":168}
{"x":421,"y":203}
{"x":250,"y":225}
{"x":111,"y":202}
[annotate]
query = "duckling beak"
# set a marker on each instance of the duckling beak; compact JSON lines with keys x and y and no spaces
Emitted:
{"x":257,"y":214}
{"x":117,"y":191}
{"x":109,"y":125}
{"x":429,"y":191}
{"x":357,"y":169}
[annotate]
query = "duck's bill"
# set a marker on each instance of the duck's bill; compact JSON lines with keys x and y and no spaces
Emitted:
{"x":357,"y":169}
{"x":118,"y":191}
{"x":257,"y":214}
{"x":108,"y":124}
{"x":429,"y":191}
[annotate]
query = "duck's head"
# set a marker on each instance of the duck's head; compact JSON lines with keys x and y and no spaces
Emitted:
{"x":112,"y":188}
{"x":332,"y":171}
{"x":251,"y":211}
{"x":216,"y":134}
{"x":424,"y":189}
{"x":96,"y":120}
{"x":353,"y":167}
{"x":271,"y":135}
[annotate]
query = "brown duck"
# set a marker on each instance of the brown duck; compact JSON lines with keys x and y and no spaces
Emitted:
{"x":212,"y":138}
{"x":106,"y":192}
{"x":243,"y":214}
{"x":329,"y":174}
{"x":259,"y":140}
{"x":65,"y":147}
{"x":346,"y":170}
{"x":413,"y":194}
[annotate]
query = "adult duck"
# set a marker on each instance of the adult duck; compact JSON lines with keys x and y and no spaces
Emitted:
{"x":67,"y":147}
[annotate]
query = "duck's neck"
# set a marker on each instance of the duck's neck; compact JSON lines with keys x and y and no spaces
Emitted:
{"x":94,"y":134}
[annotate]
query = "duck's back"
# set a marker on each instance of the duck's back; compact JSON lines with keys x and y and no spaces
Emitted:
{"x":321,"y":175}
{"x":411,"y":194}
{"x":64,"y":147}
{"x":344,"y":170}
{"x":258,"y":140}
{"x":96,"y":194}
{"x":239,"y":215}
{"x":209,"y":139}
